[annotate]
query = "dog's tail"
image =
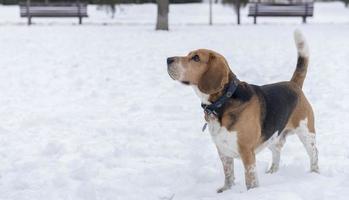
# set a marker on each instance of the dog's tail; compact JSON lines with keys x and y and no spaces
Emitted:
{"x":303,"y":59}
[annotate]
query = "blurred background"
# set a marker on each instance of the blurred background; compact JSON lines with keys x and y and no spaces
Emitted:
{"x":182,"y":11}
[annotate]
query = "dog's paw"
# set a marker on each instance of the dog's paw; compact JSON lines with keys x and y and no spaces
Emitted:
{"x":250,"y":187}
{"x":273,"y":169}
{"x":315,"y":169}
{"x":224,"y":188}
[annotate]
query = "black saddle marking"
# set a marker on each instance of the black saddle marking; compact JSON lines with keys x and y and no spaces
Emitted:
{"x":277,"y":104}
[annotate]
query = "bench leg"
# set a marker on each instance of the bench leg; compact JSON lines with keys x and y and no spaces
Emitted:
{"x":304,"y":20}
{"x":255,"y":20}
{"x":29,"y":21}
{"x":80,"y":20}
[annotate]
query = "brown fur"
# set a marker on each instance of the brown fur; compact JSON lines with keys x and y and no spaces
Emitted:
{"x":302,"y":111}
{"x":216,"y":76}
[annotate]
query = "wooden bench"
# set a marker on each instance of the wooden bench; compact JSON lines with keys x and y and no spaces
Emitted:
{"x":29,"y":10}
{"x":303,"y":10}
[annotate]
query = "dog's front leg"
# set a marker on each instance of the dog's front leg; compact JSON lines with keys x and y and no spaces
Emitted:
{"x":228,"y":167}
{"x":249,"y":160}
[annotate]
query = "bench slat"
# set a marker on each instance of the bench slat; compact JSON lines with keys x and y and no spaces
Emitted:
{"x":53,"y":9}
{"x":280,"y":9}
{"x":34,"y":4}
{"x":48,"y":11}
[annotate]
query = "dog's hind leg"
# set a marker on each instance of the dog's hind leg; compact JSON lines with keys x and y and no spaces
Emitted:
{"x":228,"y":167}
{"x":309,"y":141}
{"x":275,"y":148}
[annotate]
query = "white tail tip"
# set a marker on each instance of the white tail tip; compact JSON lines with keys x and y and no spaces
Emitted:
{"x":301,"y":44}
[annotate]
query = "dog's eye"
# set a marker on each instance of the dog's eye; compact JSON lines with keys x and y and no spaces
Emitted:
{"x":196,"y":58}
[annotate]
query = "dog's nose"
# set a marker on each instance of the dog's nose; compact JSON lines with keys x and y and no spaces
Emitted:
{"x":170,"y":60}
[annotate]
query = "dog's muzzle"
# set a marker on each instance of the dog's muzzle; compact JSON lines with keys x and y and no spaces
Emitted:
{"x":172,"y":68}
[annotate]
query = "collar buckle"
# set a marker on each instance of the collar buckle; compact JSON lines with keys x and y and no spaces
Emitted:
{"x":229,"y":94}
{"x":208,"y":111}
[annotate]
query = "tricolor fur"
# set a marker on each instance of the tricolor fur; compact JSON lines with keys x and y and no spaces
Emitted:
{"x":256,"y":116}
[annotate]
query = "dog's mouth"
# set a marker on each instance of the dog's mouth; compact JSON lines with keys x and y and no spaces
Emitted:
{"x":175,"y":76}
{"x":185,"y":82}
{"x":173,"y":73}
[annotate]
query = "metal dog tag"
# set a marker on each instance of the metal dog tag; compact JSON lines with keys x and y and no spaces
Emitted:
{"x":204,"y":127}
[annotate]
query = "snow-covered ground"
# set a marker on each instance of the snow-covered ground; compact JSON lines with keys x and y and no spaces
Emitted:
{"x":89,"y":112}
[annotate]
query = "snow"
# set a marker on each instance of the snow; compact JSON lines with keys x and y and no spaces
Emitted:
{"x":89,"y":112}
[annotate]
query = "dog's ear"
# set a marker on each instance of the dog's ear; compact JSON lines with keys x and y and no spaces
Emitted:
{"x":216,"y":76}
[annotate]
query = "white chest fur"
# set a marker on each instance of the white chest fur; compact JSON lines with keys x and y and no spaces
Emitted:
{"x":225,"y":140}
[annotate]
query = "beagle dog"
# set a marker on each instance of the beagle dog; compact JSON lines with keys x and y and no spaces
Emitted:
{"x":244,"y":118}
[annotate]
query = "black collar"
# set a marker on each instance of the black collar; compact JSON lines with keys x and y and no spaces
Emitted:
{"x":228,"y":93}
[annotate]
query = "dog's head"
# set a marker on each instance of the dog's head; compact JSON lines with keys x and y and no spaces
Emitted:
{"x":206,"y":69}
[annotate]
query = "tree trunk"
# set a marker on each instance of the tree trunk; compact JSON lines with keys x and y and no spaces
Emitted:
{"x":163,"y":9}
{"x":237,"y":10}
{"x":210,"y":14}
